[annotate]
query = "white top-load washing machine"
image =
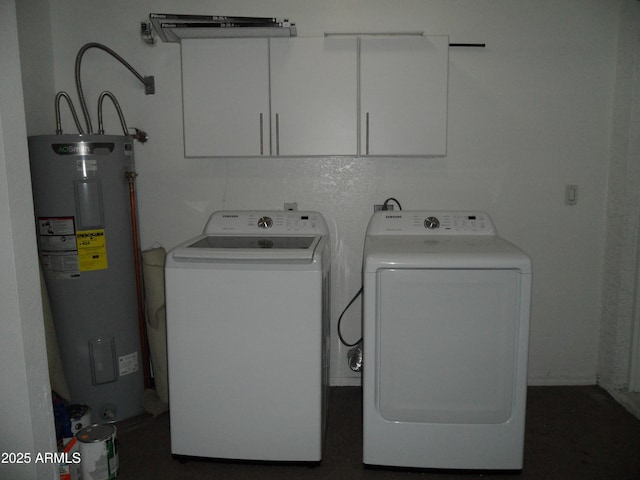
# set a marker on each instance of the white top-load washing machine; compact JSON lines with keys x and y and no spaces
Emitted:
{"x":247,"y":336}
{"x":446,"y":326}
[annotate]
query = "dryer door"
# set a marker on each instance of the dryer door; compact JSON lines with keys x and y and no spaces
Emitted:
{"x":447,"y":345}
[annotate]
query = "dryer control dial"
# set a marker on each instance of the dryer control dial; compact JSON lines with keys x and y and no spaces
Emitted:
{"x":431,"y":223}
{"x":265,"y":222}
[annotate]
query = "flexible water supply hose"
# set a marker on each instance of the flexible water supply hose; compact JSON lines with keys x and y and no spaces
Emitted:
{"x":118,"y":109}
{"x":140,"y":135}
{"x":65,"y":95}
{"x":147,"y":81}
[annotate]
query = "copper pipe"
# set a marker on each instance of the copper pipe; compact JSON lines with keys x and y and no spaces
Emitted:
{"x":131,"y":178}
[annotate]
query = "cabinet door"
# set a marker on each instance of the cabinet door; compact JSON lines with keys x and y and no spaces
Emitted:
{"x":403,"y":95}
{"x":314,"y":96}
{"x":225,"y":85}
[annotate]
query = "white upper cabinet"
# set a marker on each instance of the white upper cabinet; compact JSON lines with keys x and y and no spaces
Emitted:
{"x":403,"y":95}
{"x":314,"y":96}
{"x":225,"y":85}
{"x":283,"y":96}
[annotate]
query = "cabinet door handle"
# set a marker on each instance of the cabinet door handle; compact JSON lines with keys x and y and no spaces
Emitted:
{"x":367,"y":135}
{"x":261,"y":135}
{"x":277,"y":134}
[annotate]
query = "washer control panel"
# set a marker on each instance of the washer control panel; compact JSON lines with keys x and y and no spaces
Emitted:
{"x":260,"y":222}
{"x":417,"y":222}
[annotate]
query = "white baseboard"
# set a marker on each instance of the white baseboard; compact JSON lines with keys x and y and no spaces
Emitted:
{"x":532,"y":381}
{"x":345,"y":381}
{"x":560,"y":381}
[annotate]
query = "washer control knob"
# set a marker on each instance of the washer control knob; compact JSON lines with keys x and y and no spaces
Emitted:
{"x":265,"y":222}
{"x":431,"y":223}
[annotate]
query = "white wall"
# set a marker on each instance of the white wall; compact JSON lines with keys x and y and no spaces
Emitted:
{"x":527,"y":115}
{"x":34,"y":35}
{"x":621,"y":299}
{"x":26,"y":421}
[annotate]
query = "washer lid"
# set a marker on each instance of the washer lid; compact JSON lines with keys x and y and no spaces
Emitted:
{"x":252,"y":242}
{"x":249,"y":248}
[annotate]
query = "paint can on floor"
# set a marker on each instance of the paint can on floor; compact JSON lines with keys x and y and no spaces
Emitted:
{"x":79,"y":416}
{"x":98,"y":452}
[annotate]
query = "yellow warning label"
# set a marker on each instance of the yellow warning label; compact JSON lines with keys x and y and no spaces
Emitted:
{"x":92,"y":250}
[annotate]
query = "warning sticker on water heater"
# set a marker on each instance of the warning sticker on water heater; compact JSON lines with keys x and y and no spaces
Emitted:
{"x":58,"y":247}
{"x":92,"y":250}
{"x":56,"y":226}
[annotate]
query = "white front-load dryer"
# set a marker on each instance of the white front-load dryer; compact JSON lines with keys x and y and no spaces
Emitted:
{"x":446,"y":326}
{"x":247,"y":335}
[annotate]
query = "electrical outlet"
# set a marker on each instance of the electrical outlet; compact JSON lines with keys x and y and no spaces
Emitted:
{"x":377,"y":208}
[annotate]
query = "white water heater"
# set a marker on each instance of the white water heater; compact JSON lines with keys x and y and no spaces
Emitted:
{"x":85,"y":242}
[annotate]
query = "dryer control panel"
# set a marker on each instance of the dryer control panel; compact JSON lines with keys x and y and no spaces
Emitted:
{"x":419,"y":222}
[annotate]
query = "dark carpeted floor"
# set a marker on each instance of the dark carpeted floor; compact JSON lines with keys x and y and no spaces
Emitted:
{"x":572,"y":433}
